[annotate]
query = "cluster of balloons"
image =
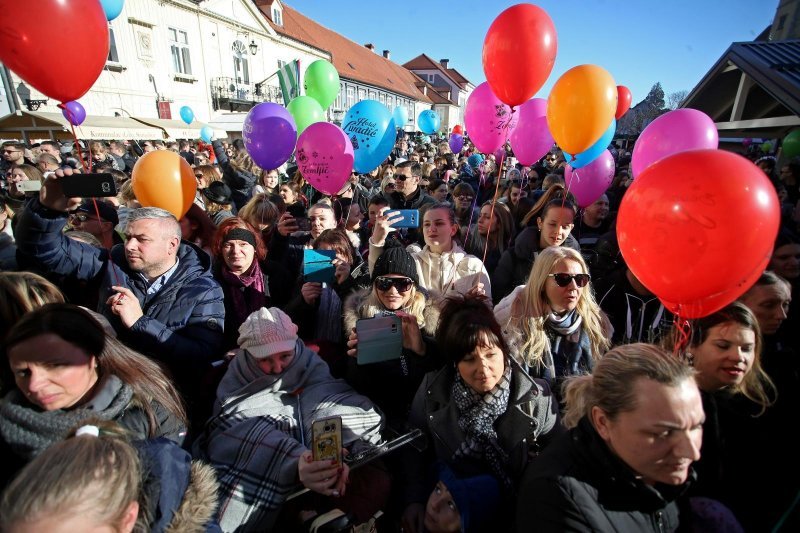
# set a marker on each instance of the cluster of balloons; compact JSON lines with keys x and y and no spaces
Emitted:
{"x":321,"y":85}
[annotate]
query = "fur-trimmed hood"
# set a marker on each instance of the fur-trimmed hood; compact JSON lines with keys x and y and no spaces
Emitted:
{"x":355,"y":307}
{"x":199,"y":501}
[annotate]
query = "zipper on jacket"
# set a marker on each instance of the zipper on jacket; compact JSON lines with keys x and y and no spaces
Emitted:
{"x":660,"y":520}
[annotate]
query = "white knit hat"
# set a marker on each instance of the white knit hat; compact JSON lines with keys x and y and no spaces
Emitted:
{"x":267,"y":332}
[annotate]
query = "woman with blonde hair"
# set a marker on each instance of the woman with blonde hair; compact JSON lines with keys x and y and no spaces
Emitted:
{"x":552,"y":323}
{"x":239,"y":173}
{"x":262,"y":213}
{"x":635,"y":428}
{"x":22,"y":292}
{"x":99,"y":480}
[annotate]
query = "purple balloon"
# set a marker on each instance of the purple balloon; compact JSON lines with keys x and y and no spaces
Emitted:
{"x":531,"y":138}
{"x":588,"y":183}
{"x":74,"y":112}
{"x":269,"y":134}
{"x":325,"y":157}
{"x":456,"y":143}
{"x":488,"y":120}
{"x":672,"y":133}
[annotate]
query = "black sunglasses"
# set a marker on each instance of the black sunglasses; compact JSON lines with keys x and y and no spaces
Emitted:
{"x":562,"y":279}
{"x":401,"y":284}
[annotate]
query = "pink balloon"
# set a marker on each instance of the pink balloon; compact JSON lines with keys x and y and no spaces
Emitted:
{"x":488,"y":120}
{"x":673,"y":133}
{"x":588,"y":183}
{"x":325,"y":157}
{"x":531,"y":137}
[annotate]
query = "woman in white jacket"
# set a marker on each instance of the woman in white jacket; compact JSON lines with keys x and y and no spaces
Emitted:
{"x":442,"y":265}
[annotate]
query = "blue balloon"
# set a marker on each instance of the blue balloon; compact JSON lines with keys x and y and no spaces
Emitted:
{"x":429,"y":122}
{"x":187,"y":114}
{"x":206,"y":132}
{"x":112,"y":8}
{"x":371,"y":130}
{"x":594,"y":151}
{"x":400,"y":116}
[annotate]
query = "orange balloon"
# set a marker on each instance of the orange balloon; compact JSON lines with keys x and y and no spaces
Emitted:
{"x":580,"y":107}
{"x":164,"y":179}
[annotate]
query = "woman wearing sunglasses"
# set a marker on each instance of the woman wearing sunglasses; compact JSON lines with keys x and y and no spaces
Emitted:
{"x":552,"y":323}
{"x":395,"y":290}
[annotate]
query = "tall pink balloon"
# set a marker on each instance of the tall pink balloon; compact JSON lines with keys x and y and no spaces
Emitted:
{"x":531,"y":138}
{"x":672,"y":133}
{"x":325,"y":157}
{"x":588,"y":183}
{"x":489,"y":121}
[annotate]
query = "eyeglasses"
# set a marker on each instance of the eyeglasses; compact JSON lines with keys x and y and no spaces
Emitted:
{"x":11,"y":151}
{"x":562,"y":279}
{"x":199,"y":176}
{"x":465,"y":198}
{"x":82,"y":217}
{"x":384,"y":284}
{"x":401,"y":177}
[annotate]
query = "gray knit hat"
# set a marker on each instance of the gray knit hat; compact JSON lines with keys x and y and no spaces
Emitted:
{"x":266,"y":332}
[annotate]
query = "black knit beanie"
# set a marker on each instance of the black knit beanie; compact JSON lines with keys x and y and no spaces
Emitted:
{"x":395,"y":260}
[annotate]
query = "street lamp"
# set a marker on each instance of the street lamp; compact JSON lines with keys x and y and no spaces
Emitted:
{"x":253,"y":47}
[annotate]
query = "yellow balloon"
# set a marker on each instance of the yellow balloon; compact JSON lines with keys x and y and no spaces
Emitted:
{"x":581,"y":106}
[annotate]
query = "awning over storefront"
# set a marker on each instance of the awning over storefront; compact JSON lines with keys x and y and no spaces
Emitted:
{"x":32,"y":125}
{"x":230,"y":122}
{"x":178,"y":129}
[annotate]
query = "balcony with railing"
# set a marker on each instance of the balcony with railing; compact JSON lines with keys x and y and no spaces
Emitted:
{"x":233,"y":95}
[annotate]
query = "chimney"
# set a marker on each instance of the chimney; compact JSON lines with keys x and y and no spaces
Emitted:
{"x":386,"y":54}
{"x":370,"y":47}
{"x":444,"y":62}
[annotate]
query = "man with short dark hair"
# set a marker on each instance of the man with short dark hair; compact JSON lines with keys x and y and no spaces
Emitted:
{"x":409,"y":195}
{"x":84,"y":218}
{"x":13,"y":154}
{"x":53,"y":148}
{"x":158,"y":292}
{"x":119,"y":151}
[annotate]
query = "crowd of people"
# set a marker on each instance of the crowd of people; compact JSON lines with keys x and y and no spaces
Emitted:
{"x":166,"y":375}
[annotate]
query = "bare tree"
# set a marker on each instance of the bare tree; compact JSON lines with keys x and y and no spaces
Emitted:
{"x":676,"y":99}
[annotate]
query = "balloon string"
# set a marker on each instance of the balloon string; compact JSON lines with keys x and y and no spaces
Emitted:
{"x":683,"y":329}
{"x":474,"y":202}
{"x":94,"y":200}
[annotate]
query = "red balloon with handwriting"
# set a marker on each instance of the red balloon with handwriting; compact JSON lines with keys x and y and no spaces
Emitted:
{"x":32,"y":32}
{"x":697,"y":229}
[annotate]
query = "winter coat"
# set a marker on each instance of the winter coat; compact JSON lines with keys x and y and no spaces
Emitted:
{"x":277,"y":285}
{"x":579,"y":485}
{"x":288,"y":251}
{"x":516,"y":262}
{"x":529,"y":423}
{"x":182,"y":322}
{"x":635,"y":317}
{"x":240,"y":181}
{"x":179,"y":495}
{"x":420,"y":199}
{"x":262,"y":425}
{"x":449,"y":272}
{"x":392,"y":384}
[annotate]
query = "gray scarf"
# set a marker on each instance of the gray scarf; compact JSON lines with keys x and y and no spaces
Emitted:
{"x":29,"y":430}
{"x":570,"y":347}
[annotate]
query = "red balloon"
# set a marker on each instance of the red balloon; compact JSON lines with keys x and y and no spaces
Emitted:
{"x":624,"y":98}
{"x":77,"y":28}
{"x":697,"y":229}
{"x":458,"y":129}
{"x":519,"y":52}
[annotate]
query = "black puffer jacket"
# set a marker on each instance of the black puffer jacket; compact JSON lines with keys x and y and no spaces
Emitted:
{"x":240,"y":181}
{"x":516,"y":262}
{"x":578,"y":484}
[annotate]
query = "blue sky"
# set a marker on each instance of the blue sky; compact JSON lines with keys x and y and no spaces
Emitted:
{"x":639,"y":42}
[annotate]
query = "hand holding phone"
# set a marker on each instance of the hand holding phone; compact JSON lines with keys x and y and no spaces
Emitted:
{"x":89,"y":185}
{"x":410,"y":218}
{"x":326,"y":438}
{"x":379,"y":339}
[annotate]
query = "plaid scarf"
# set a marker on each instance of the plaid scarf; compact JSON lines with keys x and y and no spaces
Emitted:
{"x":478,"y":413}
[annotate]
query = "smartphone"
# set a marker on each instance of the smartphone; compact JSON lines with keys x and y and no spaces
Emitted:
{"x":379,"y":339}
{"x":29,"y":186}
{"x":88,"y":185}
{"x":326,"y":439}
{"x":410,"y":218}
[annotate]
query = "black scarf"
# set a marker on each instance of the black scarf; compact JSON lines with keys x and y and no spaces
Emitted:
{"x":570,"y":347}
{"x":477,"y":415}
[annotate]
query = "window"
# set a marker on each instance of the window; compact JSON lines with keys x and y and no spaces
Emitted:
{"x":390,"y":102}
{"x":241,"y":65}
{"x":113,"y":56}
{"x":431,"y":77}
{"x":362,"y":94}
{"x":179,"y":46}
{"x":372,"y":95}
{"x":382,"y":98}
{"x":351,"y":99}
{"x":277,"y":16}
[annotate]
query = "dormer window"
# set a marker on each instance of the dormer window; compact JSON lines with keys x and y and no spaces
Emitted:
{"x":277,"y":16}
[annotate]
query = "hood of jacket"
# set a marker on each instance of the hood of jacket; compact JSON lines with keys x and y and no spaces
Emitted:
{"x":356,"y":307}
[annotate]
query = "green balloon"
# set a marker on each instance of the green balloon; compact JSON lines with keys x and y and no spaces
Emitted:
{"x":321,"y":82}
{"x":791,"y":144}
{"x":766,"y":147}
{"x":305,"y":111}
